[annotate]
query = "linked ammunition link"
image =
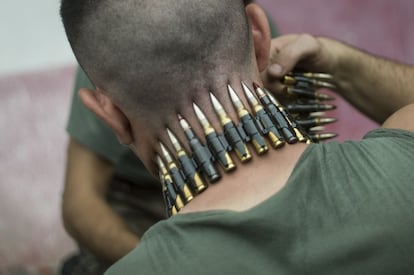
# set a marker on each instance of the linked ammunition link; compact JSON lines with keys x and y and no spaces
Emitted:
{"x":187,"y":165}
{"x":175,"y":202}
{"x":216,"y":143}
{"x":280,"y":120}
{"x":185,"y":175}
{"x":248,"y":123}
{"x":234,"y":135}
{"x":263,"y":119}
{"x":300,"y":133}
{"x":201,"y":154}
{"x":177,"y":176}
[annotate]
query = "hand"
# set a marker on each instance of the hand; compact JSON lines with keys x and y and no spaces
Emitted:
{"x":297,"y":51}
{"x":366,"y":81}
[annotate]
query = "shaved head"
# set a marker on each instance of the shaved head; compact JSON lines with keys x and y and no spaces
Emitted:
{"x":148,"y":53}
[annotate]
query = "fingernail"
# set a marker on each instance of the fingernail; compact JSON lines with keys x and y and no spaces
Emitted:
{"x":275,"y":69}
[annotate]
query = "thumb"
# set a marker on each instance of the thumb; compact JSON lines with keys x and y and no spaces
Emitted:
{"x":284,"y":59}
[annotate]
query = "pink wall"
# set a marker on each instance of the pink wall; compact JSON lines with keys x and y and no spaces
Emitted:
{"x":34,"y":110}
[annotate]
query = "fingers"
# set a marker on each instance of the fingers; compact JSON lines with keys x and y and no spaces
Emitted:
{"x":273,"y":84}
{"x":287,"y":51}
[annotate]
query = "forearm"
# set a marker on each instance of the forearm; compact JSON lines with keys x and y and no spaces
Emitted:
{"x":95,"y":226}
{"x":374,"y":85}
{"x":87,"y":215}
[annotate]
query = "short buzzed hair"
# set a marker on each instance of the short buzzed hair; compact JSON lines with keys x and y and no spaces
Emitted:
{"x":141,"y":50}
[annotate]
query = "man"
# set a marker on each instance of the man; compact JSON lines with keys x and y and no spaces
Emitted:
{"x":319,"y":209}
{"x":105,"y":185}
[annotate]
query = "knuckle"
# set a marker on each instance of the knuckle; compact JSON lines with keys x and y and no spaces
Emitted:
{"x":306,"y":38}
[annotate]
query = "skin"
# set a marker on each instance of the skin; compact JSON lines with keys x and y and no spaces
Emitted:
{"x":87,"y":216}
{"x":376,"y":86}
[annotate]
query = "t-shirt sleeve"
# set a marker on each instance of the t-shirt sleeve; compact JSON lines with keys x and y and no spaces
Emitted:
{"x":392,"y":133}
{"x":89,"y":130}
{"x":146,"y":259}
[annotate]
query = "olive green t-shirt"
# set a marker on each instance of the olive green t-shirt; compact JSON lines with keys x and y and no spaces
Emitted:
{"x":347,"y":208}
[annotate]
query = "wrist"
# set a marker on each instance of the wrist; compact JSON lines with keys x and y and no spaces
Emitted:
{"x":340,"y":60}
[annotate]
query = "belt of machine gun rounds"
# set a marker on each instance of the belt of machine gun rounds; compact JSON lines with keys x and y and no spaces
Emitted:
{"x":184,"y":175}
{"x":307,"y":102}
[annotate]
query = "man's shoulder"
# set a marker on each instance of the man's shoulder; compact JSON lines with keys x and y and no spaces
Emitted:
{"x":162,"y":247}
{"x":390,"y":133}
{"x":380,"y":139}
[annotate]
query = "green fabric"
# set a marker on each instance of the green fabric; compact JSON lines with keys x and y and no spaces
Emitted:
{"x":347,"y":208}
{"x":90,"y":131}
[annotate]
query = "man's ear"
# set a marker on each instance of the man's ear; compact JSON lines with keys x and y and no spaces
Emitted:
{"x":101,"y":105}
{"x":261,"y":34}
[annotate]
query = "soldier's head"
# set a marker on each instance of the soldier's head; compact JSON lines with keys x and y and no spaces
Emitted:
{"x":150,"y":59}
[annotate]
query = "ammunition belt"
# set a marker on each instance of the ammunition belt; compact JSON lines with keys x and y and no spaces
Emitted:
{"x":184,"y":175}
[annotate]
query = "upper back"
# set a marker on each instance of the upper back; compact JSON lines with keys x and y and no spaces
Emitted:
{"x":346,"y":208}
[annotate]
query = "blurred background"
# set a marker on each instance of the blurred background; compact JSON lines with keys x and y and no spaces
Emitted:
{"x":36,"y":77}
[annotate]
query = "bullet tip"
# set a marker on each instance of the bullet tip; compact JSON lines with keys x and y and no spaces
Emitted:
{"x":317,"y":114}
{"x":324,"y":96}
{"x":161,"y":145}
{"x":158,"y":158}
{"x":215,"y":101}
{"x":329,"y":119}
{"x":316,"y":129}
{"x":324,"y":136}
{"x":330,"y":106}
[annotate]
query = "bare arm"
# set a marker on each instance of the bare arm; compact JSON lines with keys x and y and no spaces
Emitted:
{"x":86,"y":215}
{"x":376,"y":86}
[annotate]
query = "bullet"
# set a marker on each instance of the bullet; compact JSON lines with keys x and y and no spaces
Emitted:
{"x":248,"y":123}
{"x":307,"y":123}
{"x":308,"y":108}
{"x":177,"y":176}
{"x":301,"y":81}
{"x":168,"y":185}
{"x":169,"y":204}
{"x":233,"y":135}
{"x":217,"y":143}
{"x":320,"y":76}
{"x":201,"y":154}
{"x":263,"y":119}
{"x":307,"y":94}
{"x":292,"y":122}
{"x":323,"y":84}
{"x":304,"y":86}
{"x":278,"y":118}
{"x":288,"y":80}
{"x":187,"y":166}
{"x":322,"y":136}
{"x":316,"y":114}
{"x":316,"y":129}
